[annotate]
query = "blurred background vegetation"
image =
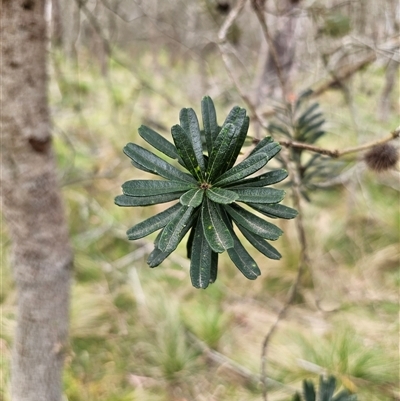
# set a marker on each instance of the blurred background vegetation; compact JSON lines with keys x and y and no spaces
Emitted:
{"x":146,"y":334}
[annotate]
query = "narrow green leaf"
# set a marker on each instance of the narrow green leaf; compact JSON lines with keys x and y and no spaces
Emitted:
{"x":239,"y":255}
{"x":278,"y":128}
{"x":344,"y":395}
{"x":260,"y":244}
{"x":192,"y":197}
{"x":296,"y":397}
{"x":153,"y":187}
{"x":190,"y":125}
{"x":308,"y":120}
{"x":238,"y":118}
{"x":220,"y":195}
{"x":214,"y":267}
{"x":210,"y":124}
{"x":253,"y":223}
{"x":186,"y":151}
{"x":248,"y":166}
{"x":315,"y":136}
{"x":260,"y":195}
{"x":140,"y":167}
{"x":243,"y":261}
{"x":156,"y":257}
{"x":158,"y":141}
{"x":270,"y":149}
{"x":223,"y":146}
{"x":235,"y":116}
{"x":200,"y":263}
{"x":170,"y":236}
{"x":305,"y":94}
{"x":128,"y":201}
{"x":310,"y":129}
{"x":260,"y":145}
{"x":153,"y":223}
{"x":275,"y":210}
{"x":309,"y":390}
{"x":215,"y":230}
{"x":272,"y":177}
{"x":326,"y":388}
{"x":155,"y":164}
{"x":189,"y":242}
{"x":308,"y":112}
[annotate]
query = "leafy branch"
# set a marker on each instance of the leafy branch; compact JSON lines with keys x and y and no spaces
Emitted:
{"x":209,"y":188}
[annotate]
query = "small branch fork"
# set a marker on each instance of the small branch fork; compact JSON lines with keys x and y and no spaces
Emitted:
{"x":339,"y":153}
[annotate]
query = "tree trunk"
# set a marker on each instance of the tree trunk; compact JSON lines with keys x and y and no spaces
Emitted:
{"x":41,"y":257}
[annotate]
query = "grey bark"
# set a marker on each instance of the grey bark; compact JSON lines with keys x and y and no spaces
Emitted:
{"x":391,"y":77}
{"x":285,"y":42}
{"x":41,"y":257}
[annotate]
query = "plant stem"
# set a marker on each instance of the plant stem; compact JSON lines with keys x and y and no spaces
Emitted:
{"x":336,"y":153}
{"x":303,"y":263}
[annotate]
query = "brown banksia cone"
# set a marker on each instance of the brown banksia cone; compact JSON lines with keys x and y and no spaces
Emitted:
{"x":382,"y":157}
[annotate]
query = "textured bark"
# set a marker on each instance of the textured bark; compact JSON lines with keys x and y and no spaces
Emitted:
{"x":41,"y":257}
{"x":285,"y":40}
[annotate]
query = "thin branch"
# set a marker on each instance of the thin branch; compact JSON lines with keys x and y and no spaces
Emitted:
{"x":342,"y":74}
{"x":303,"y":263}
{"x":109,"y":52}
{"x":259,"y":10}
{"x":336,"y":153}
{"x":225,"y":50}
{"x":234,"y":367}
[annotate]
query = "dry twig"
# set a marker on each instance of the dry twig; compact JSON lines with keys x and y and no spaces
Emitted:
{"x":303,"y":263}
{"x":336,"y":153}
{"x":234,"y":367}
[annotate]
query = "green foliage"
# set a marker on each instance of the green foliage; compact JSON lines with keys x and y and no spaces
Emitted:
{"x":208,"y":193}
{"x":303,"y":122}
{"x":336,"y":25}
{"x":326,"y":391}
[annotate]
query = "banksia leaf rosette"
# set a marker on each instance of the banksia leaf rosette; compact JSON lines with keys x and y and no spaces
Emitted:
{"x":210,"y":190}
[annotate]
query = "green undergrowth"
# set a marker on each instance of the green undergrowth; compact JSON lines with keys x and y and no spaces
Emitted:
{"x":139,"y":334}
